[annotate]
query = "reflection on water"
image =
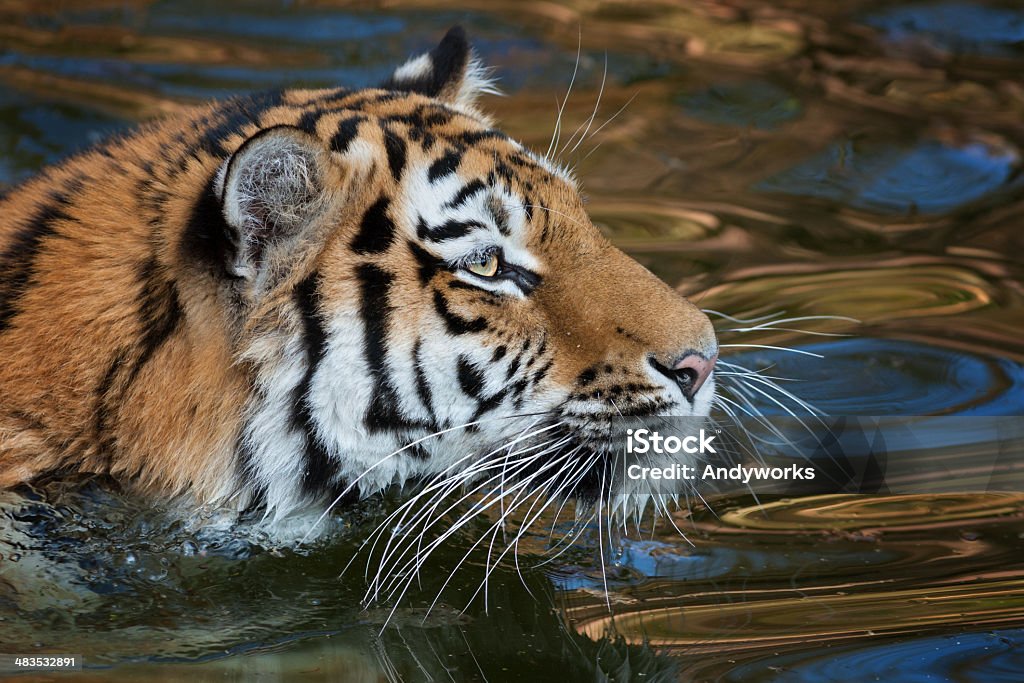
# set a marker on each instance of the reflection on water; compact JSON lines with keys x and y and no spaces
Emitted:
{"x":929,"y":178}
{"x":756,"y":104}
{"x":770,"y":159}
{"x":955,"y":27}
{"x":866,"y":376}
{"x":992,"y":656}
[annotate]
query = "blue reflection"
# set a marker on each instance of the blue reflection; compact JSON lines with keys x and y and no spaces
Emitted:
{"x":931,"y":177}
{"x":649,"y":559}
{"x":867,"y":376}
{"x":35,"y":133}
{"x":353,"y":48}
{"x":956,"y":27}
{"x":298,"y":27}
{"x":753,"y":104}
{"x":993,"y":657}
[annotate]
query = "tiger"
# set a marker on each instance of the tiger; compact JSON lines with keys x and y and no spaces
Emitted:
{"x":302,"y":296}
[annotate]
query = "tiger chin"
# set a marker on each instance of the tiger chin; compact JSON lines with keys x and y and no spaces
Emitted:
{"x":281,"y":300}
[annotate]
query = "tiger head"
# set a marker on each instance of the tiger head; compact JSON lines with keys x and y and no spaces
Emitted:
{"x":416,"y":290}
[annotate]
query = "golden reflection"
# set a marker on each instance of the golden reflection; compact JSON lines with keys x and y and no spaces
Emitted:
{"x":885,"y":566}
{"x":675,"y":168}
{"x":835,"y":512}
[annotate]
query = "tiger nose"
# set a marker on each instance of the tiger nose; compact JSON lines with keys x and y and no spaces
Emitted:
{"x":692,"y":370}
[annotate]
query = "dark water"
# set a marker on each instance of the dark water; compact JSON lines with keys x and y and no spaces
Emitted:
{"x":857,"y":159}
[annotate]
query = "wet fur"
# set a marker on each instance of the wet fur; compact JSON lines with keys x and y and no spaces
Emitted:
{"x":256,"y":301}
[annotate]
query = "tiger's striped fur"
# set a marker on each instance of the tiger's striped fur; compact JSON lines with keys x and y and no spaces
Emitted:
{"x":257,"y":301}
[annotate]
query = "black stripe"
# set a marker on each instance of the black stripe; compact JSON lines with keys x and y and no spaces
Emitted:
{"x":160,"y":316}
{"x":476,"y":136}
{"x":444,"y":166}
{"x":101,"y":408}
{"x":245,"y":463}
{"x":439,"y":117}
{"x":545,"y":234}
{"x":454,"y":323}
{"x":377,"y":230}
{"x":383,"y":413}
{"x":427,"y":264}
{"x":543,"y":346}
{"x":332,"y":96}
{"x":17,"y":263}
{"x":206,"y":239}
{"x":488,"y":404}
{"x":516,"y":363}
{"x":449,"y":230}
{"x":422,"y":385}
{"x":500,"y":215}
{"x":513,"y":367}
{"x":465,"y":193}
{"x":518,"y":392}
{"x":307,"y":122}
{"x":319,"y":471}
{"x":505,"y":171}
{"x":160,"y":313}
{"x":362,"y":98}
{"x":520,"y":161}
{"x":235,"y":115}
{"x":542,"y":372}
{"x":528,"y":208}
{"x":459,"y":284}
{"x":471,"y":380}
{"x":395,"y":148}
{"x":347,"y":131}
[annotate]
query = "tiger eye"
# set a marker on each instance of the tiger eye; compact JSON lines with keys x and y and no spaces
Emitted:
{"x":487,"y":266}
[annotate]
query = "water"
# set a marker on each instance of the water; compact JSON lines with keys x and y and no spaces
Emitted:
{"x":794,"y":159}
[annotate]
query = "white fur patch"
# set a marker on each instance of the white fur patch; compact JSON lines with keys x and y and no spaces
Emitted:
{"x":415,"y":68}
{"x":478,"y":80}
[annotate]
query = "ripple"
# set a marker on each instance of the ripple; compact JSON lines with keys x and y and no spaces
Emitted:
{"x":868,"y":293}
{"x":992,"y":656}
{"x":871,"y":376}
{"x":930,"y":177}
{"x":869,"y":512}
{"x":752,"y":104}
{"x":958,"y":27}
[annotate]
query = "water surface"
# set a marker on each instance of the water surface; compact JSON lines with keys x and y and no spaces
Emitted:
{"x":786,"y":159}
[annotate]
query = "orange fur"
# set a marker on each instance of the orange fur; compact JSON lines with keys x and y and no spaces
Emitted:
{"x":120,"y":353}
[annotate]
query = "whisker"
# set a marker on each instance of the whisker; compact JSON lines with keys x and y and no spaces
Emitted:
{"x":477,"y":509}
{"x":609,"y":120}
{"x":556,"y":133}
{"x":711,"y":311}
{"x":803,"y":318}
{"x":774,"y":348}
{"x":430,"y":519}
{"x":593,"y":115}
{"x":788,"y":329}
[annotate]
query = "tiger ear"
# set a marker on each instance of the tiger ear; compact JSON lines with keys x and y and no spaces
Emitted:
{"x":450,"y":72}
{"x":272,"y":190}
